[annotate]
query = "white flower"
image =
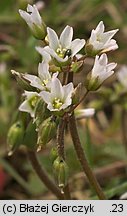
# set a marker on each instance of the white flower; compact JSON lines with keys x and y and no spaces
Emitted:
{"x":60,"y":96}
{"x":101,"y":69}
{"x":102,"y":41}
{"x":100,"y":72}
{"x":84,"y":113}
{"x":63,"y":48}
{"x":44,"y":79}
{"x":122,"y":75}
{"x":34,"y":21}
{"x":29,"y":104}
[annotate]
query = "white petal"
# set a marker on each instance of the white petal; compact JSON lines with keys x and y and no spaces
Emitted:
{"x":66,"y":37}
{"x":30,"y":94}
{"x":108,"y":35}
{"x":111,"y":45}
{"x":26,"y":17}
{"x":49,"y":84}
{"x":46,"y":56}
{"x":100,"y":28}
{"x":111,"y":66}
{"x":24,"y":107}
{"x":43,"y":71}
{"x":52,"y":38}
{"x":67,"y":103}
{"x":29,"y":77}
{"x":104,"y":75}
{"x":77,"y":45}
{"x":50,"y":107}
{"x":34,"y":81}
{"x":46,"y":96}
{"x":103,"y":60}
{"x":68,"y":89}
{"x":57,"y":89}
{"x":35,"y":16}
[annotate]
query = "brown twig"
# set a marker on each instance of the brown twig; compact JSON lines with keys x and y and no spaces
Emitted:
{"x":43,"y":175}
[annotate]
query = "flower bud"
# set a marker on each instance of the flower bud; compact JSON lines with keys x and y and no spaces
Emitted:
{"x":34,"y":21}
{"x":15,"y":136}
{"x":21,"y":81}
{"x":47,"y":131}
{"x":76,"y":67}
{"x":60,"y":170}
{"x":100,"y":72}
{"x":53,"y":154}
{"x":41,"y":112}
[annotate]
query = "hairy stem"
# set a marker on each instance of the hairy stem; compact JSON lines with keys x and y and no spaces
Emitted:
{"x":43,"y":175}
{"x":82,"y":158}
{"x":60,"y":146}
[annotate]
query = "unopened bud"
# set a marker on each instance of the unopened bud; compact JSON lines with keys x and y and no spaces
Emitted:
{"x":47,"y":131}
{"x":34,"y":21}
{"x":15,"y":136}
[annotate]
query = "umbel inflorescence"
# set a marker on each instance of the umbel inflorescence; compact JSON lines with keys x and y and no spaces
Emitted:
{"x":49,"y":99}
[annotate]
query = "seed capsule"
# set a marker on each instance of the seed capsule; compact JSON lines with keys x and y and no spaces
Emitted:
{"x":53,"y":154}
{"x":60,"y":170}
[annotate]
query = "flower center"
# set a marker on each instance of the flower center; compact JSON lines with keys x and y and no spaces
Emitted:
{"x":57,"y":103}
{"x":61,"y":52}
{"x":32,"y":101}
{"x":44,"y":83}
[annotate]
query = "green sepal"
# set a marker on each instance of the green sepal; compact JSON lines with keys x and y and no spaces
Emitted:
{"x":30,"y":138}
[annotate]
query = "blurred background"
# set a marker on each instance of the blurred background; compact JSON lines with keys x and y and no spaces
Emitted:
{"x":103,"y":133}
